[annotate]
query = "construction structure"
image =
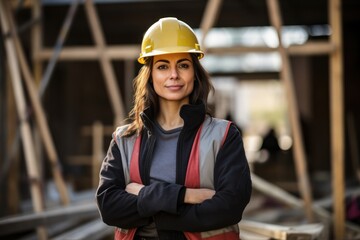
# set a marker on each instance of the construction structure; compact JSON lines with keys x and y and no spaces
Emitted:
{"x":45,"y":47}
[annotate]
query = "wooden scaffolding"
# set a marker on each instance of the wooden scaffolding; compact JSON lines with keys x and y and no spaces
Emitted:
{"x":105,"y":54}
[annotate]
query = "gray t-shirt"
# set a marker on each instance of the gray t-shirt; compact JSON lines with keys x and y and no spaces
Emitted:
{"x":163,"y":165}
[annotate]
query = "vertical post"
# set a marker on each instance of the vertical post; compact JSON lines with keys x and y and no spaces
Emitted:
{"x":108,"y":71}
{"x":209,"y":18}
{"x":98,"y":144}
{"x":36,"y":41}
{"x":128,"y":83}
{"x":13,"y":175}
{"x":39,"y":112}
{"x":337,"y":118}
{"x":26,"y":135}
{"x":287,"y":78}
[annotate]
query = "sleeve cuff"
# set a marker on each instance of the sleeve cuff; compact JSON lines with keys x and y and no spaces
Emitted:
{"x":158,"y":197}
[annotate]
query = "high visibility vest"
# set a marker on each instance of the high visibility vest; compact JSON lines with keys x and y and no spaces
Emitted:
{"x":208,"y":140}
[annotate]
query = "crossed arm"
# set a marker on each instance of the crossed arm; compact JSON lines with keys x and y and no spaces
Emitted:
{"x":192,"y":195}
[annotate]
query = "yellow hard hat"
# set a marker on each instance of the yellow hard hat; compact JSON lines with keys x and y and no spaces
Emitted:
{"x":169,"y":35}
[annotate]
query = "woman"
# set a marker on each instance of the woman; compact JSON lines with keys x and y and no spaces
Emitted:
{"x":174,"y":172}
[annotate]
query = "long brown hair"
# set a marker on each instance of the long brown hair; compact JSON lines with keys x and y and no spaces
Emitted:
{"x":145,"y":95}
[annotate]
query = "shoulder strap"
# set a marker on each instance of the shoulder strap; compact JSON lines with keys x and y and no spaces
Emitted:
{"x":134,"y":162}
{"x":208,"y":140}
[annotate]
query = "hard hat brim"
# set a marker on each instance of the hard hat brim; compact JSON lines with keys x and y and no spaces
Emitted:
{"x":142,"y":58}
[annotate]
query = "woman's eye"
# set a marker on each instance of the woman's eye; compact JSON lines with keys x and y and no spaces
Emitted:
{"x":184,"y":66}
{"x":162,"y":67}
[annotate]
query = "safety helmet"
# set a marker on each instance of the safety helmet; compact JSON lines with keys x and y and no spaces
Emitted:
{"x":169,"y":35}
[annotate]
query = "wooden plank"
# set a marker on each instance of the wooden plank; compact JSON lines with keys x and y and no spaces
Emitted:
{"x":55,"y":229}
{"x":15,"y":224}
{"x":95,"y":229}
{"x":311,"y":48}
{"x":109,"y":74}
{"x":337,"y":118}
{"x":287,"y":78}
{"x":274,"y":191}
{"x":39,"y":114}
{"x":247,"y":235}
{"x":279,"y":194}
{"x":26,"y":135}
{"x":274,"y":231}
{"x":116,"y":52}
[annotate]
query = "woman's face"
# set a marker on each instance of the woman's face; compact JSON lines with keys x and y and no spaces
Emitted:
{"x":173,"y":76}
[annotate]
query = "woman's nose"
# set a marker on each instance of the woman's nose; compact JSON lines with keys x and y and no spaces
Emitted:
{"x":174,"y":73}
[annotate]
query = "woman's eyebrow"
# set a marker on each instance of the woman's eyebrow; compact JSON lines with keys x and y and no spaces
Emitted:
{"x":167,"y":61}
{"x":183,"y":59}
{"x":162,"y":60}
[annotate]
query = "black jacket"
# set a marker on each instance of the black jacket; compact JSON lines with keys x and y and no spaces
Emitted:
{"x":163,"y":202}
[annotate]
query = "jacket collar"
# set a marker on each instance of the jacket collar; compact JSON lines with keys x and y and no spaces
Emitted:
{"x":192,"y":114}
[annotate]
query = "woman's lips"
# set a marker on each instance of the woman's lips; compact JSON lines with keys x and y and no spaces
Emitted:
{"x":174,"y":87}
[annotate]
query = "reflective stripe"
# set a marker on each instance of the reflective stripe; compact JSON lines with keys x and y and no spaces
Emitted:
{"x":126,"y":147}
{"x":124,"y":234}
{"x":134,"y":164}
{"x":200,"y":172}
{"x":192,"y":178}
{"x":213,"y":135}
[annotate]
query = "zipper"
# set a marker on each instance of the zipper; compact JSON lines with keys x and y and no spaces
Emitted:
{"x":179,"y":158}
{"x":150,"y":143}
{"x":150,"y":149}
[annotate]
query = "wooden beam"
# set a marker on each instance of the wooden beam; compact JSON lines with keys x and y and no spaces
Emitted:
{"x":312,"y":48}
{"x":211,"y":13}
{"x":131,"y":52}
{"x":26,"y":134}
{"x":15,"y":224}
{"x":91,"y":53}
{"x":110,"y":79}
{"x":45,"y":80}
{"x":287,"y":78}
{"x":11,"y":167}
{"x":274,"y":231}
{"x":39,"y":114}
{"x":337,"y":118}
{"x":282,"y":196}
{"x":94,"y":229}
{"x":307,"y":49}
{"x":36,"y":41}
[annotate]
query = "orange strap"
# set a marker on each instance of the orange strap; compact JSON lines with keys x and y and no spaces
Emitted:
{"x":134,"y":162}
{"x":192,"y":178}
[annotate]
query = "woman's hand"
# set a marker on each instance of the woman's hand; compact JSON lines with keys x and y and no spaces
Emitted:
{"x":134,"y":188}
{"x":198,"y":195}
